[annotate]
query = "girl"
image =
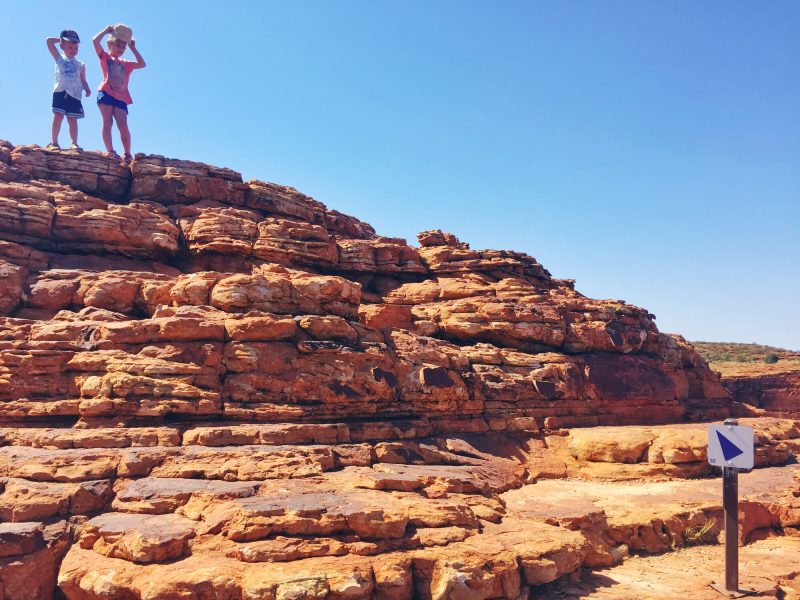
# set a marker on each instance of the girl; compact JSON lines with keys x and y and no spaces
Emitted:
{"x":113,"y":97}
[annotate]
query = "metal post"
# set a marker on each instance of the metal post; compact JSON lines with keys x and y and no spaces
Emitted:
{"x":730,"y":497}
{"x":730,"y":504}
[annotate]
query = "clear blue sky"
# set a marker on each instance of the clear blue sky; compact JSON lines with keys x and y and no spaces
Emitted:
{"x":649,"y":150}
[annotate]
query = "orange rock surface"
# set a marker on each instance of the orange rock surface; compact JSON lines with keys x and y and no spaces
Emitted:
{"x":212,"y":388}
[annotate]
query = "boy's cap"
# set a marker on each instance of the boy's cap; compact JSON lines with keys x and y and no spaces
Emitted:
{"x":70,"y":36}
{"x":123,"y":32}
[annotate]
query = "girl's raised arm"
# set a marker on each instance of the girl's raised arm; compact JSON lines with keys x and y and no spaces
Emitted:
{"x":140,"y":64}
{"x":96,"y":39}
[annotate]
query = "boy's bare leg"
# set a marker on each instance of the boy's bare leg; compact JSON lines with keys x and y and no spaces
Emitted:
{"x":107,"y":112}
{"x":72,"y":123}
{"x":58,"y":118}
{"x":121,"y":117}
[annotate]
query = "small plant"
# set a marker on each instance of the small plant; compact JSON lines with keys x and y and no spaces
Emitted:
{"x":696,"y":535}
{"x":770,"y":358}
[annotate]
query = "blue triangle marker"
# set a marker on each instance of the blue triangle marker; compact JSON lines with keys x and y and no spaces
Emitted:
{"x":729,"y":449}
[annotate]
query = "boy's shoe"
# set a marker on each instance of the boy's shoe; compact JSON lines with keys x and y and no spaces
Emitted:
{"x":52,"y":146}
{"x":75,"y":147}
{"x":127,"y":159}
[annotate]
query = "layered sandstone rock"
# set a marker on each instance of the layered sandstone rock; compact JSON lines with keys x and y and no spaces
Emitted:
{"x":212,"y":388}
{"x":775,"y":392}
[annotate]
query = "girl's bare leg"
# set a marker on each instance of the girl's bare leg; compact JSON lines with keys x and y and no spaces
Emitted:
{"x":121,"y":117}
{"x":72,"y":123}
{"x":56,"y":129}
{"x":107,"y":111}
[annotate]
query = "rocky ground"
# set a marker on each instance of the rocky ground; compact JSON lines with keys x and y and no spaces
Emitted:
{"x":212,"y":388}
{"x":768,"y":567}
{"x":464,"y":516}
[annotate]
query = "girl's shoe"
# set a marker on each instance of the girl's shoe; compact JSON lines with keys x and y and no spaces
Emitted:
{"x":128,"y":158}
{"x":75,"y":147}
{"x":111,"y":154}
{"x":52,"y":146}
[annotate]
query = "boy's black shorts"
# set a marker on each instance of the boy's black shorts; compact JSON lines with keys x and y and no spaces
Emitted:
{"x":67,"y":105}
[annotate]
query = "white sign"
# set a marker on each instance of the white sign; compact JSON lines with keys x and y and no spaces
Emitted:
{"x":730,"y":446}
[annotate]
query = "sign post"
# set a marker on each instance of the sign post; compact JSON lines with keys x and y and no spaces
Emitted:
{"x":731,"y":447}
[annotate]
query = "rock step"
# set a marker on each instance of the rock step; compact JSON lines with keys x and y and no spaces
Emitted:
{"x":392,"y":529}
{"x":676,"y":450}
{"x":769,"y":566}
{"x":675,"y":445}
{"x":497,"y":565}
{"x":30,"y":556}
{"x":236,"y":463}
{"x":22,"y":500}
{"x":656,"y":516}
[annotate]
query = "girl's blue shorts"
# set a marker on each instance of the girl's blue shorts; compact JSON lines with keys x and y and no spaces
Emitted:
{"x":104,"y":98}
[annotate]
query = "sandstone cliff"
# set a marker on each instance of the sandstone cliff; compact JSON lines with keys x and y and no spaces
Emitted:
{"x":231,"y":375}
{"x":174,"y":290}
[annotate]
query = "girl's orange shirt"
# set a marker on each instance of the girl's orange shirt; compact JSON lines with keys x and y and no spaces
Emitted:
{"x":116,"y":73}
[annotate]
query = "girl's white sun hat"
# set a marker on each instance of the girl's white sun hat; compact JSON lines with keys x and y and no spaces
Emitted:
{"x":123,"y":32}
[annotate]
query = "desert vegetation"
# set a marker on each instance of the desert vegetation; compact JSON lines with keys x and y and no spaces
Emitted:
{"x":733,"y":359}
{"x":716,"y":352}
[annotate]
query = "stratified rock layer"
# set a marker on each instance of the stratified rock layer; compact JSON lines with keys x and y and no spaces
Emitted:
{"x":203,"y":379}
{"x":772,"y":393}
{"x":173,"y":289}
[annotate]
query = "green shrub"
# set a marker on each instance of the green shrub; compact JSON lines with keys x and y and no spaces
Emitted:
{"x":770,"y":358}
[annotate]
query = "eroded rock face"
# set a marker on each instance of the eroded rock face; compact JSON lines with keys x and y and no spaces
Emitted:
{"x":212,"y":388}
{"x":267,"y":284}
{"x":775,"y":393}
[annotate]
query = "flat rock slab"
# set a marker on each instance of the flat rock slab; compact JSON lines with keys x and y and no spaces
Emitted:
{"x":326,"y":507}
{"x":20,"y":538}
{"x":23,"y":500}
{"x":138,"y":538}
{"x":244,"y":463}
{"x":559,"y":499}
{"x":769,"y":566}
{"x":160,"y":495}
{"x":268,"y":433}
{"x":655,"y":516}
{"x":91,"y":438}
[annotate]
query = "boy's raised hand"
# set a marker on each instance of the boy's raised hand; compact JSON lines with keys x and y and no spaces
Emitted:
{"x":132,"y":44}
{"x":51,"y":46}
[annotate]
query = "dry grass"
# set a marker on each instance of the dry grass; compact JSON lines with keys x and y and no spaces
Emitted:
{"x":734,"y":369}
{"x":730,"y":352}
{"x":732,"y":360}
{"x":699,"y":535}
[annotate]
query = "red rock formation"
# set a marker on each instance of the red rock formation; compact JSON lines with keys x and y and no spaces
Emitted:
{"x":412,"y":354}
{"x":775,"y":393}
{"x":227,"y":376}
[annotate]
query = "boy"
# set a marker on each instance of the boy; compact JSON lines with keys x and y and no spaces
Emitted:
{"x":70,"y":79}
{"x":113,"y":97}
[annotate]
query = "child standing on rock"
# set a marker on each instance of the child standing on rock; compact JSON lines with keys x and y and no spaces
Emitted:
{"x":113,"y":97}
{"x":70,"y":81}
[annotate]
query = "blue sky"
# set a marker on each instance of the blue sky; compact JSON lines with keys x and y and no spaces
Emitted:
{"x":649,"y":150}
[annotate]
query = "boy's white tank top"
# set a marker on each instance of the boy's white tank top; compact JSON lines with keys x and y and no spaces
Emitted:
{"x":68,"y":76}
